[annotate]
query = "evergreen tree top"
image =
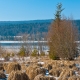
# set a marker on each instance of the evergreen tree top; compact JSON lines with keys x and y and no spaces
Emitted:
{"x":58,"y":11}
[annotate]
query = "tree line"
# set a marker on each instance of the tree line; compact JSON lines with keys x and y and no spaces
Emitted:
{"x":33,"y":28}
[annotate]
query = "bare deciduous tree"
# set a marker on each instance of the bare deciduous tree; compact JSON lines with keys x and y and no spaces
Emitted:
{"x":61,"y":37}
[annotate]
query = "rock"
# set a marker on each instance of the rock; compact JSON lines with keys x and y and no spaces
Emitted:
{"x":18,"y":75}
{"x":43,"y":77}
{"x":13,"y":66}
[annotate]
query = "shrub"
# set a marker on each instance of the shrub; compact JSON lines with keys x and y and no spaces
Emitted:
{"x":34,"y":53}
{"x":22,"y":52}
{"x":42,"y":53}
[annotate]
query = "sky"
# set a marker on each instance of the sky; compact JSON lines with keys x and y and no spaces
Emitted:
{"x":20,"y":10}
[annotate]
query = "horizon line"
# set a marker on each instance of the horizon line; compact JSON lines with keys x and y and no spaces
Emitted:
{"x":28,"y":20}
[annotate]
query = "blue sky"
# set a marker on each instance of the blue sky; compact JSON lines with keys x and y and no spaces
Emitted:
{"x":16,"y":10}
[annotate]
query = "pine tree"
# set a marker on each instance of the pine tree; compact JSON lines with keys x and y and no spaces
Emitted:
{"x":58,"y":12}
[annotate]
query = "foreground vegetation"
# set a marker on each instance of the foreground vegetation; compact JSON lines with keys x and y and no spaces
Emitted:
{"x":42,"y":68}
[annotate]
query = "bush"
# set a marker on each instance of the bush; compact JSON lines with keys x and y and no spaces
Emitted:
{"x":53,"y":57}
{"x":34,"y":53}
{"x":42,"y":53}
{"x":22,"y":52}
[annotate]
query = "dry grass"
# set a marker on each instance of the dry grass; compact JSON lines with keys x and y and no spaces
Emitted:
{"x":34,"y":70}
{"x":43,"y":77}
{"x":13,"y":66}
{"x":2,"y":75}
{"x":18,"y":75}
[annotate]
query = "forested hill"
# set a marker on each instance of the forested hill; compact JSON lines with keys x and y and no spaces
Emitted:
{"x":17,"y":28}
{"x":14,"y":28}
